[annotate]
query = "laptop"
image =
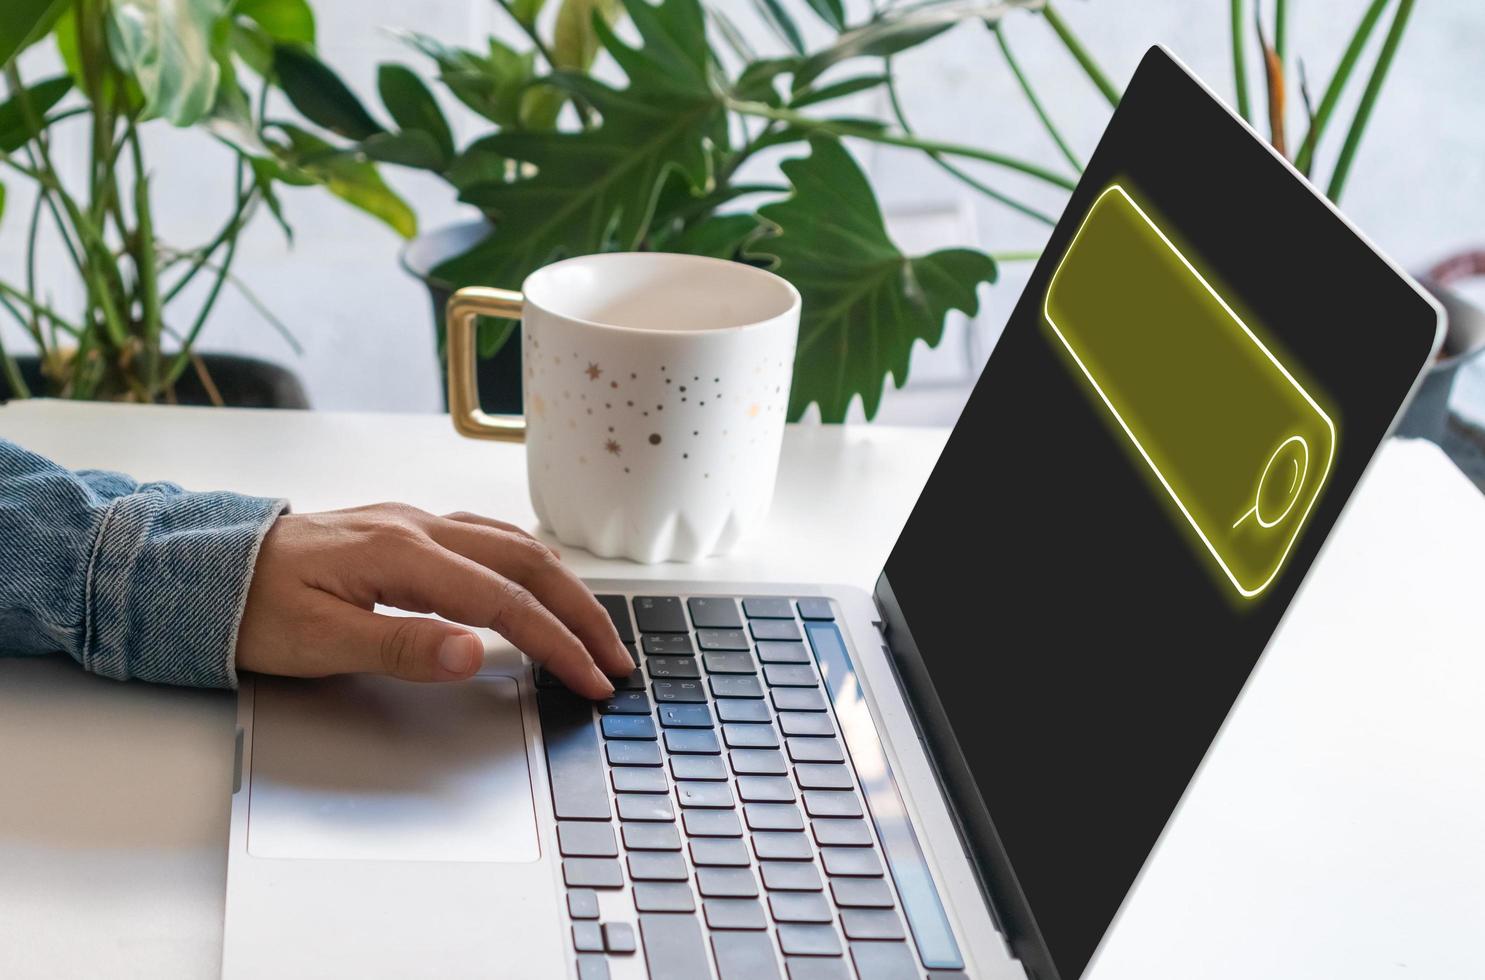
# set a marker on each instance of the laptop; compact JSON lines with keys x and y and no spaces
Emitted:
{"x":961,"y":775}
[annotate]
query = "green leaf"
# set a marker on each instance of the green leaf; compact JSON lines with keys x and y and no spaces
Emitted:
{"x":414,"y":109}
{"x":492,"y":85}
{"x":720,"y":236}
{"x":783,"y":25}
{"x":865,"y":303}
{"x":474,"y":167}
{"x":574,"y":41}
{"x":756,"y":83}
{"x":14,"y":130}
{"x":2,"y":202}
{"x":837,"y":90}
{"x":319,"y":94}
{"x":409,"y":148}
{"x":166,"y":47}
{"x":352,"y":180}
{"x":597,"y":189}
{"x":285,"y":21}
{"x":831,"y":12}
{"x":24,"y":22}
{"x":526,"y":11}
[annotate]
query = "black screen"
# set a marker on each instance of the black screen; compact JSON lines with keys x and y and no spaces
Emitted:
{"x":1086,"y":655}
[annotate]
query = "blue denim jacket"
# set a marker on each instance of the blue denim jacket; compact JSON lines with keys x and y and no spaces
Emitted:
{"x":133,"y":580}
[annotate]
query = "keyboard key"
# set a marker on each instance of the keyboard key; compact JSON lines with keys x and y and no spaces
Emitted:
{"x":595,"y":967}
{"x":707,"y":795}
{"x":592,"y":873}
{"x":734,"y":913}
{"x":812,"y":940}
{"x":805,"y":723}
{"x":587,"y":937}
{"x":651,"y":837}
{"x":797,"y":699}
{"x":726,"y":883}
{"x":884,"y":961}
{"x":634,"y":681}
{"x":719,"y":853}
{"x":841,"y":833}
{"x":861,"y":893}
{"x":812,"y":776}
{"x":773,"y":816}
{"x":775,"y":845}
{"x":577,"y":839}
{"x":778,"y":652}
{"x":851,"y":862}
{"x":774,"y":629}
{"x":745,"y":956}
{"x":662,"y":896}
{"x":818,"y":803}
{"x":692,"y":741}
{"x":626,"y":703}
{"x":722,"y":639}
{"x":709,"y":613}
{"x":632,"y":753}
{"x":686,"y":716}
{"x":618,"y":611}
{"x":729,"y":663}
{"x":630,"y":779}
{"x":799,"y":907}
{"x":735,"y":686}
{"x":574,"y":765}
{"x":628,"y":726}
{"x":659,"y":614}
{"x":789,"y":876}
{"x":674,"y":947}
{"x":667,"y":645}
{"x":817,"y":609}
{"x":753,"y":712}
{"x":758,"y":762}
{"x":671,"y":667}
{"x":632,"y":806}
{"x":711,"y":823}
{"x":582,"y":903}
{"x":767,"y":607}
{"x":815,"y":968}
{"x":707,"y":767}
{"x":871,"y":924}
{"x":658,"y":866}
{"x":618,"y":937}
{"x":689,"y":692}
{"x":815,"y":750}
{"x":750,"y":736}
{"x":765,"y":789}
{"x":790,"y":675}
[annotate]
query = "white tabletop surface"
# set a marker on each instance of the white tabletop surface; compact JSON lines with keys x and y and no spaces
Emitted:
{"x":1333,"y":832}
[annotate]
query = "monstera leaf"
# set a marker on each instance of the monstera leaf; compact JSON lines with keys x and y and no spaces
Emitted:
{"x":596,"y":189}
{"x":864,"y":301}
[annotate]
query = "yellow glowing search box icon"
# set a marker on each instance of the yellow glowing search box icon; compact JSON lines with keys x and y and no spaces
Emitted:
{"x":1241,"y":447}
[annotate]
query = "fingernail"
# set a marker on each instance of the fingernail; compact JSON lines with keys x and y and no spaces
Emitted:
{"x":457,"y":653}
{"x":604,"y":684}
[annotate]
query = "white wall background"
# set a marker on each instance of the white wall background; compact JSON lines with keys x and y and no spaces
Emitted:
{"x":1418,"y":187}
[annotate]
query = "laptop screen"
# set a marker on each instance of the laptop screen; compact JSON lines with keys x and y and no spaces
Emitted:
{"x":1203,"y":363}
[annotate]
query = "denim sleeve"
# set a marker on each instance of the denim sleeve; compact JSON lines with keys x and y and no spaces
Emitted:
{"x":133,"y":580}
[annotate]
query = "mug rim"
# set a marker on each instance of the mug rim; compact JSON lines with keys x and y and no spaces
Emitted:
{"x":741,"y":268}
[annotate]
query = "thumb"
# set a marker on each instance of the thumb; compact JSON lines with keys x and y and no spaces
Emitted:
{"x":413,"y":648}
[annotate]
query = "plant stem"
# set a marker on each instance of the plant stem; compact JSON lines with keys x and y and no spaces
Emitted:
{"x":1036,"y":103}
{"x":1306,"y":157}
{"x":890,"y":139}
{"x":144,"y":262}
{"x":200,"y":257}
{"x":1239,"y":61}
{"x":1029,"y":255}
{"x":18,"y":388}
{"x":949,"y":168}
{"x":183,"y":356}
{"x":1281,"y":29}
{"x":1368,"y":100}
{"x":1081,"y":55}
{"x":31,"y":304}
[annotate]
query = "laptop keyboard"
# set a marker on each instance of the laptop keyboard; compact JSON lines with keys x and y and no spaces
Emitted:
{"x":710,"y":823}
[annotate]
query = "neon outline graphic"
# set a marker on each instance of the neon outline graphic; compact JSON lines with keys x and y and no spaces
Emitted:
{"x":1324,"y":473}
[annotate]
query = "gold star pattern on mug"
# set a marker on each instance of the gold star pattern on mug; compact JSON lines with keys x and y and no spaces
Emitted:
{"x":613,"y":447}
{"x":594,"y":372}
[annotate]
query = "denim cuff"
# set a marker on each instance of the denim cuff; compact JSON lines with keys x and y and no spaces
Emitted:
{"x":167,"y":582}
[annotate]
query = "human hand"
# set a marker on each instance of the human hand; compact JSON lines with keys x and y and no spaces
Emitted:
{"x":317,"y":577}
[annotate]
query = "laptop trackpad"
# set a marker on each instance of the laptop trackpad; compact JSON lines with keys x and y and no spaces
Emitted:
{"x":368,"y":768}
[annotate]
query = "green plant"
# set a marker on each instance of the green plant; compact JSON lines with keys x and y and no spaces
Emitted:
{"x":207,"y":64}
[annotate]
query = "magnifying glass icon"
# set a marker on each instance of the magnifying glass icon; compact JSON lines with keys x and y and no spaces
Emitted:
{"x":1279,"y":485}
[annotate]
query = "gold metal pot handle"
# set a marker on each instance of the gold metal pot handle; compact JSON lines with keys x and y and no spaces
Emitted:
{"x":465,"y":306}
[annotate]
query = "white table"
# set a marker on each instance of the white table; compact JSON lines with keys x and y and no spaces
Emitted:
{"x":1334,"y":831}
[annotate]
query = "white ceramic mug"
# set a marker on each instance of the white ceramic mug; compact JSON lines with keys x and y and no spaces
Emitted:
{"x":655,"y":388}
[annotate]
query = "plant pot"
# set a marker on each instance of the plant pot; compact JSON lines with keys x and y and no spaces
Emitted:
{"x":1427,"y":416}
{"x":499,"y":376}
{"x":243,"y":382}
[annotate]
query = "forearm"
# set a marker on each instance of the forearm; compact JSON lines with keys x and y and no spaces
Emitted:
{"x":132,"y":581}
